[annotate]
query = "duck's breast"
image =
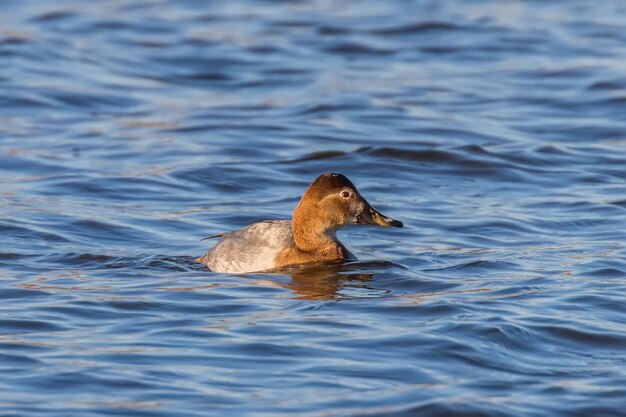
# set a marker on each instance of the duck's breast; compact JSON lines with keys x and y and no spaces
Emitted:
{"x":251,"y":249}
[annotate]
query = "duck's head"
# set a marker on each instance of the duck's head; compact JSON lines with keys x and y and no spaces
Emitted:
{"x":332,"y":201}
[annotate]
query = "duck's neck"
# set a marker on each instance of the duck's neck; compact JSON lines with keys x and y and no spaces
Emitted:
{"x":310,"y":236}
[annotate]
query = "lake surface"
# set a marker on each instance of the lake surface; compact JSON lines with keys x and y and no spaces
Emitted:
{"x":495,"y":130}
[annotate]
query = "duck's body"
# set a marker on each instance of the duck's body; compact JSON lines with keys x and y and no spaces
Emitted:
{"x":329,"y":203}
{"x":261,"y":246}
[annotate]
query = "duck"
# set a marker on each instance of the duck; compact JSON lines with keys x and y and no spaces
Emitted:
{"x":329,"y":203}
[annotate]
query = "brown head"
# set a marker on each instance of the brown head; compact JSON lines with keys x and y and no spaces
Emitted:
{"x":331,"y":202}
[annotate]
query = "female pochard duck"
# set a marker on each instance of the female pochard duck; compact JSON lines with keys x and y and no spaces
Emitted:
{"x":330,"y":202}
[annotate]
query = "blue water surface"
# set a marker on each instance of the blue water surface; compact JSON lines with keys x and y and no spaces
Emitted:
{"x":495,"y":130}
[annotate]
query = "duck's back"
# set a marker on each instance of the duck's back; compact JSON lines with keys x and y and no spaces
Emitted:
{"x":253,"y":248}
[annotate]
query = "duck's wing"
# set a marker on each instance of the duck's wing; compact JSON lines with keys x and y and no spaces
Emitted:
{"x":214,"y":236}
{"x":250,"y":249}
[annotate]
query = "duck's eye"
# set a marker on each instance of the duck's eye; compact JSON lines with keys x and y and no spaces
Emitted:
{"x":345,"y":194}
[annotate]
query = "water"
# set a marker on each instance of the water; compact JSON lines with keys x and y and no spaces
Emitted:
{"x":496,"y":131}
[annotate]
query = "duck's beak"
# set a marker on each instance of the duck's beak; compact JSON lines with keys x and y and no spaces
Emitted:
{"x":370,"y":215}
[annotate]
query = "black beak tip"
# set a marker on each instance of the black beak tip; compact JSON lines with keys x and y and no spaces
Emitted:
{"x":396,"y":223}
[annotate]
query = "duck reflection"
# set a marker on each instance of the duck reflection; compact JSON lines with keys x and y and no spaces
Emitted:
{"x":328,"y":281}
